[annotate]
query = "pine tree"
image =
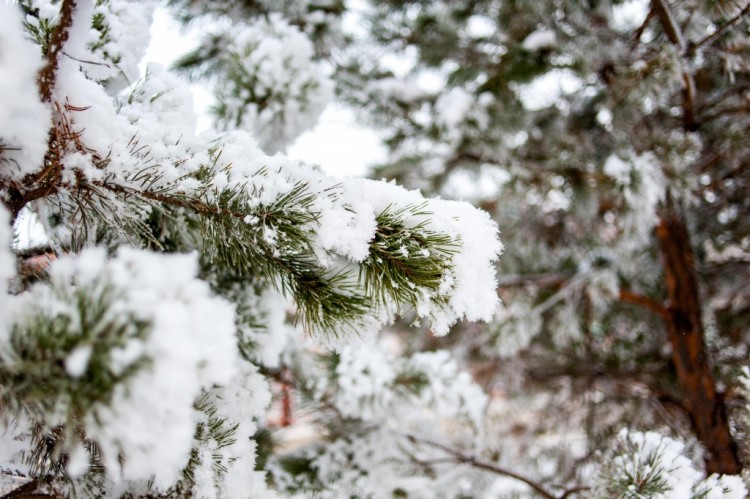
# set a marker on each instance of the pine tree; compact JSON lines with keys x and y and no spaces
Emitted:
{"x":196,"y":278}
{"x":620,"y":196}
{"x":137,"y":359}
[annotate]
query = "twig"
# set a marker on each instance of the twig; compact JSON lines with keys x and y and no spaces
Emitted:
{"x":48,"y":74}
{"x":673,"y":32}
{"x":646,"y":302}
{"x":460,"y":457}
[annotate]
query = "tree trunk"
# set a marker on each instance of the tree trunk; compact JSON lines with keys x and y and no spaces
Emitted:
{"x":685,"y":330}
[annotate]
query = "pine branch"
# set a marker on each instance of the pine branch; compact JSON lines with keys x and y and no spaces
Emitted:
{"x":216,"y":432}
{"x":404,"y":261}
{"x":272,"y":242}
{"x":33,"y":373}
{"x":708,"y":39}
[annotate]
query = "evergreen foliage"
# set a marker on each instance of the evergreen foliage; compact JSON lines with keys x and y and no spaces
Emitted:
{"x":214,"y":319}
{"x":137,"y":359}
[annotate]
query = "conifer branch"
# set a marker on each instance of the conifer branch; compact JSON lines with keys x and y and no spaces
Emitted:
{"x":404,"y":260}
{"x":708,"y":39}
{"x":235,"y":236}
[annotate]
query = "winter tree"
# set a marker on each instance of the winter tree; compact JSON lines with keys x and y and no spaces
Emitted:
{"x":138,"y":361}
{"x":191,"y":279}
{"x":607,"y":138}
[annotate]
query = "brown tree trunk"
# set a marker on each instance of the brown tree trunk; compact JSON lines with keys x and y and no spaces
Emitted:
{"x":685,"y":330}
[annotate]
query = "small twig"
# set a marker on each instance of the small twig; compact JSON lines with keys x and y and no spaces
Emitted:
{"x":460,"y":457}
{"x":742,"y":108}
{"x":574,"y":490}
{"x":93,"y":63}
{"x":646,"y":302}
{"x":48,"y":74}
{"x":674,"y":34}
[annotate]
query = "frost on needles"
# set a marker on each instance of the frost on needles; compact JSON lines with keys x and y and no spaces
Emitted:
{"x":138,"y":360}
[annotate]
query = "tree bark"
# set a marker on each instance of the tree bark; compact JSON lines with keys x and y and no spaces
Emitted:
{"x":685,"y":331}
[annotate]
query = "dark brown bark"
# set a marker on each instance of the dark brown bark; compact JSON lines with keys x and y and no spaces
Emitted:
{"x":685,"y":331}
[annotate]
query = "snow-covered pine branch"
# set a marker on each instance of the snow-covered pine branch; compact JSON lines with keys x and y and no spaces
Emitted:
{"x":137,"y":363}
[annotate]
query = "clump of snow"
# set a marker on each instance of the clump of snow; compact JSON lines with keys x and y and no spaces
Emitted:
{"x":540,"y":40}
{"x":473,"y":295}
{"x":122,"y":46}
{"x":402,"y":90}
{"x":77,"y":361}
{"x":273,"y":87}
{"x":676,"y":470}
{"x":24,"y":119}
{"x":721,"y":487}
{"x":470,"y":283}
{"x":452,"y":107}
{"x":642,"y":184}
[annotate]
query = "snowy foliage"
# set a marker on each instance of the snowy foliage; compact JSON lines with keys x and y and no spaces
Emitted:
{"x":272,"y":86}
{"x":651,"y":465}
{"x":140,"y":360}
{"x":210,"y":318}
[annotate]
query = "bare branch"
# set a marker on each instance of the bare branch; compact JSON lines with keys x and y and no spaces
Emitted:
{"x":460,"y":457}
{"x":646,"y":302}
{"x":668,"y":22}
